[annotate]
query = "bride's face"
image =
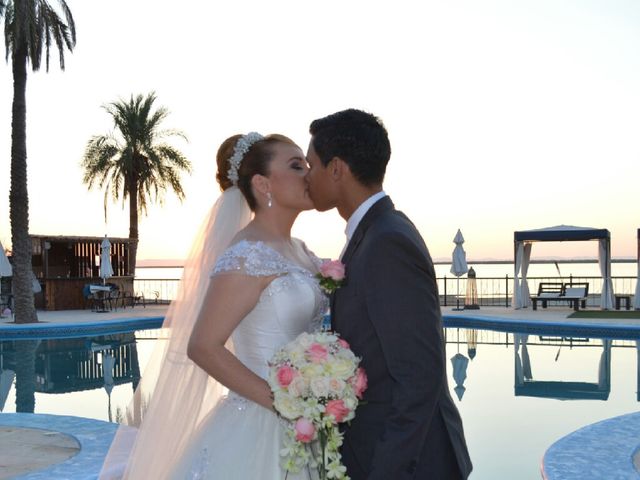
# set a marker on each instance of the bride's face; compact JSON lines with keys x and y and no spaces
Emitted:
{"x":287,"y":170}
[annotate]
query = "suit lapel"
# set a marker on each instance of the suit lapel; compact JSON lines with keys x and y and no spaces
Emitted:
{"x":381,"y":206}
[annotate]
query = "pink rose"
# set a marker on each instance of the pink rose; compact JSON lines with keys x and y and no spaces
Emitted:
{"x":317,"y":353}
{"x":343,"y":343}
{"x":359,"y":382}
{"x":338,"y":409}
{"x":285,"y":375}
{"x":305,"y":431}
{"x":333,"y":269}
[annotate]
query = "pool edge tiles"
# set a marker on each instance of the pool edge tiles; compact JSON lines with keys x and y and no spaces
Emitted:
{"x":558,"y":327}
{"x":94,"y":437}
{"x":600,"y":450}
{"x":74,"y":330}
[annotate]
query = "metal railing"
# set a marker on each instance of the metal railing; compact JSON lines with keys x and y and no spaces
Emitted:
{"x":157,"y":290}
{"x":492,"y":291}
{"x":498,"y":291}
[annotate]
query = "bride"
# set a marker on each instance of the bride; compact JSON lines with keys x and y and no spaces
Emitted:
{"x":248,"y":288}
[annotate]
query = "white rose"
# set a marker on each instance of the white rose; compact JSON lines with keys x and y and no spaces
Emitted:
{"x":341,"y":368}
{"x":304,"y":341}
{"x":312,"y":370}
{"x":350,"y":402}
{"x":273,"y":379}
{"x":320,"y":386}
{"x":296,"y":356}
{"x":336,"y":386}
{"x":288,"y":406}
{"x":299,"y":386}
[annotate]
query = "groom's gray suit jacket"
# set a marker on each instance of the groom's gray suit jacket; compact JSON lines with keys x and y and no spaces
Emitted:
{"x":389,"y":312}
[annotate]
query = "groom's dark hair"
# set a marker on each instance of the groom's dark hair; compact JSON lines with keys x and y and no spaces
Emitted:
{"x":359,"y":138}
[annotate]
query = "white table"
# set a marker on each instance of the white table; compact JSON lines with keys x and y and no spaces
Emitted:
{"x":100,"y":292}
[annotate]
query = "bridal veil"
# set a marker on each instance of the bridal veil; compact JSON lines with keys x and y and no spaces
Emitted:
{"x":174,"y":394}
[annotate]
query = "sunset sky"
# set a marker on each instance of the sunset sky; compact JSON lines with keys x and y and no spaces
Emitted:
{"x":503,"y":115}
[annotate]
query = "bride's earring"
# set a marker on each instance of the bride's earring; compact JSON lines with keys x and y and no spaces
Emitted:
{"x":269,"y":197}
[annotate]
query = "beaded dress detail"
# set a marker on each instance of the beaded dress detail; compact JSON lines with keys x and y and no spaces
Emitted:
{"x":240,"y":439}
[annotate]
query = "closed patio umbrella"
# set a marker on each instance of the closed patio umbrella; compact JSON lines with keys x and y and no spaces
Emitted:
{"x":6,"y":382}
{"x":459,"y":364}
{"x":5,"y":266}
{"x":106,"y":270}
{"x":458,"y":264}
{"x":5,"y":271}
{"x":108,"y":362}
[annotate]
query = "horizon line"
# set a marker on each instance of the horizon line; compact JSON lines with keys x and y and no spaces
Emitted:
{"x":178,"y":263}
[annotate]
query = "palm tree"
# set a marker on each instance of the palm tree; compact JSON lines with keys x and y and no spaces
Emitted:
{"x":137,"y":164}
{"x":30,"y":26}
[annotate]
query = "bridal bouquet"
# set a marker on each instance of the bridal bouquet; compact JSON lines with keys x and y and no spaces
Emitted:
{"x":316,"y":384}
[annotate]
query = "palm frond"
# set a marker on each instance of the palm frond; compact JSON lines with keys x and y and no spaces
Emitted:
{"x":34,"y":27}
{"x":154,"y":166}
{"x":9,"y":21}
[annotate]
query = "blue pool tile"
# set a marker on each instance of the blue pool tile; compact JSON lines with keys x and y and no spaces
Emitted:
{"x":603,"y":450}
{"x":94,"y":437}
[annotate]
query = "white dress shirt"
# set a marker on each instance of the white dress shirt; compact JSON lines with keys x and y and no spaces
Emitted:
{"x":356,"y":217}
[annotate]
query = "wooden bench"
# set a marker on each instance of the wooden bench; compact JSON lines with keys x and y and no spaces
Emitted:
{"x":574,"y":293}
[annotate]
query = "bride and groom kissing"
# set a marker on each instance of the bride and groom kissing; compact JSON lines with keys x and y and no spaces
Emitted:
{"x":249,"y":288}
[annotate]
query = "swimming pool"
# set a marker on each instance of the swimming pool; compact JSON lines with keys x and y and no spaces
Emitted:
{"x":514,"y":402}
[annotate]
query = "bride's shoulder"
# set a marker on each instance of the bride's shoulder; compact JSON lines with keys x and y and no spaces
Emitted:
{"x":300,"y":244}
{"x":303,"y":246}
{"x":249,"y":257}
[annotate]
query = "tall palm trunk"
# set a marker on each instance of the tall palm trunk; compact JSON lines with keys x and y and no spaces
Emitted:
{"x":19,"y":198}
{"x":26,"y":375}
{"x":133,"y":222}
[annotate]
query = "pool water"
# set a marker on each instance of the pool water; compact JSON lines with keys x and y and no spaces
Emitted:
{"x":514,"y":402}
{"x":512,"y":414}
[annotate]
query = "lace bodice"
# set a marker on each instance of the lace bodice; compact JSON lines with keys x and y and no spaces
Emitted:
{"x":291,"y":304}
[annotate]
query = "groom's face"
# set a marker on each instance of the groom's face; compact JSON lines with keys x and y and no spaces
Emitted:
{"x":320,"y":183}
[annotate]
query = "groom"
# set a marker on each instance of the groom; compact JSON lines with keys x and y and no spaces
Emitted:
{"x":388,"y":310}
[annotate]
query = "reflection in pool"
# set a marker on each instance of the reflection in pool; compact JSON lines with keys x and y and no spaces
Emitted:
{"x":67,"y":376}
{"x":520,"y":393}
{"x":517,"y":393}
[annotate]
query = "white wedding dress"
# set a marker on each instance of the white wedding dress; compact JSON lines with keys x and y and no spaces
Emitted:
{"x":240,"y":439}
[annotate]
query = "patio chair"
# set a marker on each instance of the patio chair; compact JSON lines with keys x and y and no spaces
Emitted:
{"x":575,"y":293}
{"x":133,"y":300}
{"x":112,"y":298}
{"x":138,"y":298}
{"x":547,"y":291}
{"x":89,"y":299}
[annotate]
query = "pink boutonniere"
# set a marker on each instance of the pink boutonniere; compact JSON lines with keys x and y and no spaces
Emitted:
{"x":331,"y":275}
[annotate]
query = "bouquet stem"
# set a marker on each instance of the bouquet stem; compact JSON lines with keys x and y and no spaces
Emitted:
{"x":323,"y":450}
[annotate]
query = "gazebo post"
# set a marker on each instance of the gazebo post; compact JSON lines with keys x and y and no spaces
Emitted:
{"x":636,"y":297}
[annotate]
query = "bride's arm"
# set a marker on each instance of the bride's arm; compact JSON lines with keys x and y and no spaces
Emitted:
{"x":228,"y":300}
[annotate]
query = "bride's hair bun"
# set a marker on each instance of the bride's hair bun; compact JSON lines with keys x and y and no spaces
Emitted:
{"x":254,"y":162}
{"x":222,"y":159}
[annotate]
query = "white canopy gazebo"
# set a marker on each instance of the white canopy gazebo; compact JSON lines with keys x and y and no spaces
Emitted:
{"x":562,"y":233}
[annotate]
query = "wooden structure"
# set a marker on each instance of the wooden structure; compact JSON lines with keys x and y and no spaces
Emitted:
{"x":72,"y":365}
{"x":64,"y":265}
